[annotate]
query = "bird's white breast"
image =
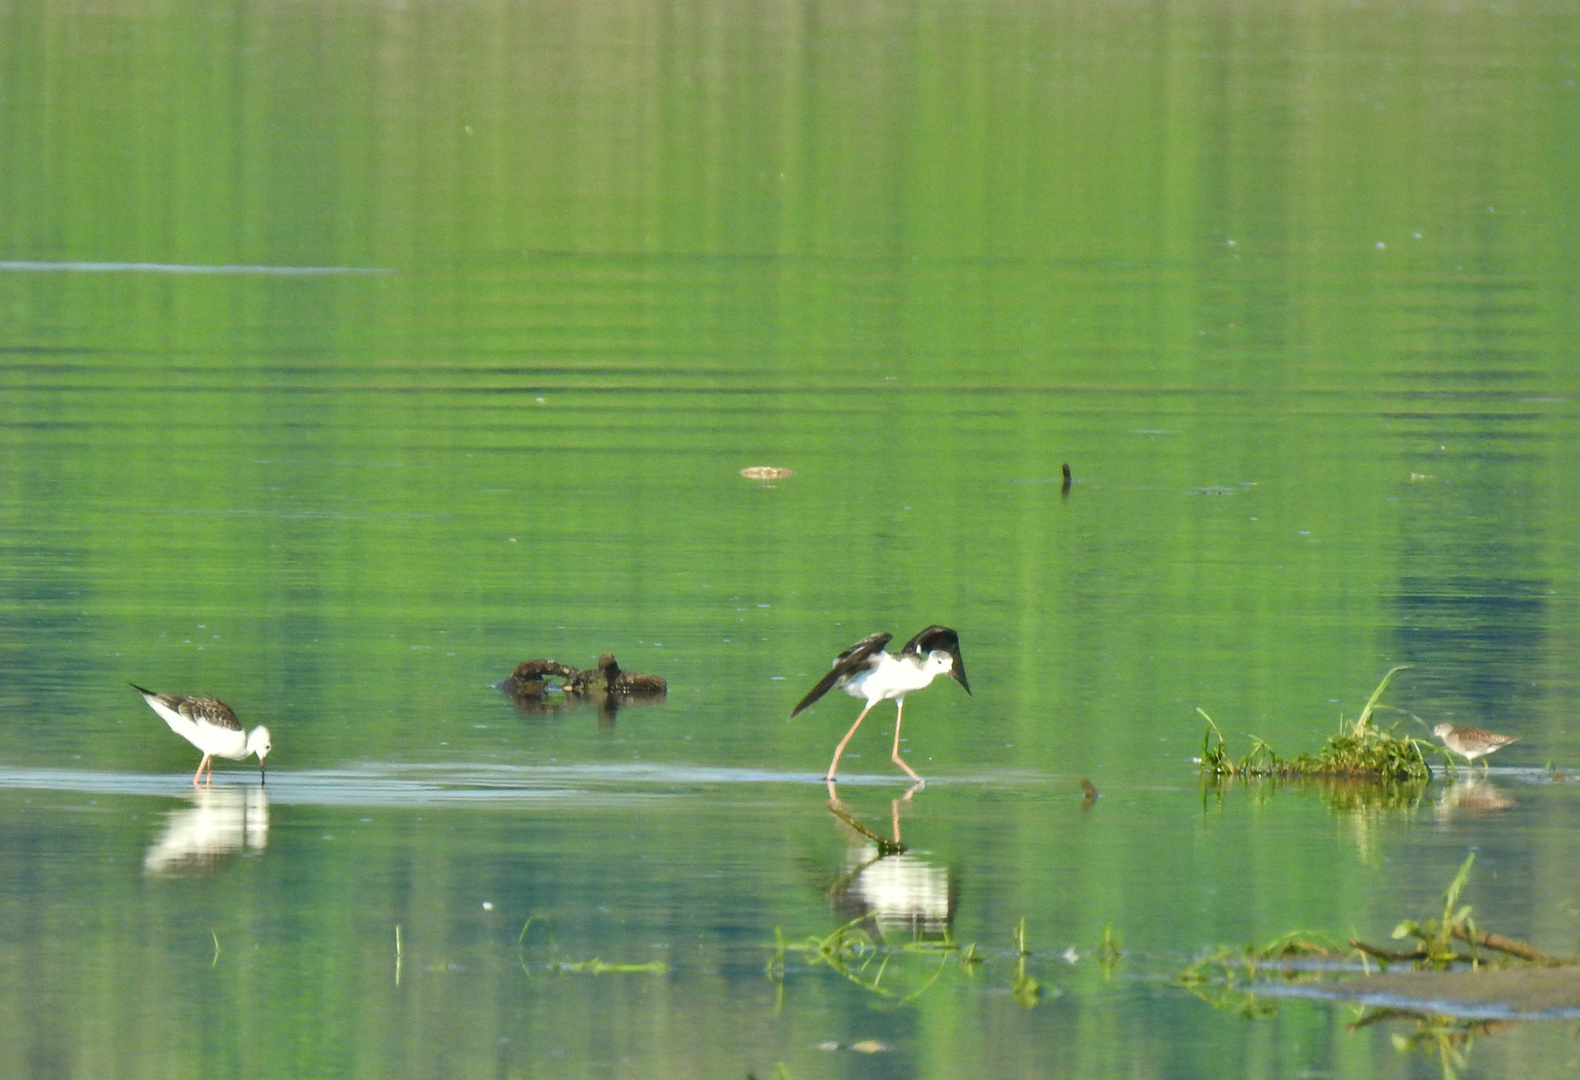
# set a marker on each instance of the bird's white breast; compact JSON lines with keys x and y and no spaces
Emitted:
{"x":890,"y":677}
{"x":209,"y":738}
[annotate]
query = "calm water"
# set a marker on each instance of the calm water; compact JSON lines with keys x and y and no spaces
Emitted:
{"x":350,"y":354}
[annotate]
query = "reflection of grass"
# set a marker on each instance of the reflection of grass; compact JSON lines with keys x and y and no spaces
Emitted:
{"x":1221,"y":978}
{"x":1026,"y":990}
{"x":1108,"y":952}
{"x":595,"y":966}
{"x":890,"y":971}
{"x":1444,"y":1037}
{"x":1359,"y":749}
{"x":865,"y":960}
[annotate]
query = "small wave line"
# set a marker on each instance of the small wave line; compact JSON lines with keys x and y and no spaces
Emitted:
{"x":41,"y":266}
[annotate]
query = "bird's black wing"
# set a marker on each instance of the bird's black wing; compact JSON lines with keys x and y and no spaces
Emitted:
{"x":846,"y":664}
{"x":940,"y":637}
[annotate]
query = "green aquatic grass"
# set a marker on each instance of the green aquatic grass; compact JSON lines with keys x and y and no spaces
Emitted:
{"x":1436,"y":934}
{"x":862,"y":957}
{"x":1221,"y":977}
{"x":1359,"y":749}
{"x":1224,"y":977}
{"x":554,"y":965}
{"x":1108,"y":951}
{"x":902,"y":972}
{"x":1026,"y":990}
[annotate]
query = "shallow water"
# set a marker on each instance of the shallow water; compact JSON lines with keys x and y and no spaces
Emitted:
{"x":1290,"y":292}
{"x":508,"y":885}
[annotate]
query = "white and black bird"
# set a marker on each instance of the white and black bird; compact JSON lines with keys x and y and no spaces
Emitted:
{"x":210,"y":725}
{"x":865,"y":671}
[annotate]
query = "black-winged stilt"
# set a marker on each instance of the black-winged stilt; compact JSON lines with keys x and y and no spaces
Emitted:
{"x":210,"y":725}
{"x":865,"y":671}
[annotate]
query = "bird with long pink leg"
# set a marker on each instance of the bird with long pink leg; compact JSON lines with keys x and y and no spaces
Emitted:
{"x":210,"y":725}
{"x":866,"y":671}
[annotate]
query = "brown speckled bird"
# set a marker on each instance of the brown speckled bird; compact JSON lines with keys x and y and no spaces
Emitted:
{"x":1471,"y":743}
{"x":210,"y":725}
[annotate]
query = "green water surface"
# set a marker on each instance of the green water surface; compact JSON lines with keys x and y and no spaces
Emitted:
{"x":351,"y":353}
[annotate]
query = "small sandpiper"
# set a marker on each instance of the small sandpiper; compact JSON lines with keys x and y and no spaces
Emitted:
{"x":1471,"y":743}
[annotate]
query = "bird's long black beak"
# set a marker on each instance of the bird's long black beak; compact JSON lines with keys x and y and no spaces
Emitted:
{"x":262,"y":780}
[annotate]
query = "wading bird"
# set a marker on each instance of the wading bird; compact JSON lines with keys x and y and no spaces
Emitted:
{"x":210,"y":725}
{"x":1471,"y":743}
{"x":865,"y":671}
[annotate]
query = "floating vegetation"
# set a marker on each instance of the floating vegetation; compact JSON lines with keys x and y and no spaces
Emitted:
{"x":1027,"y":991}
{"x":1434,"y":937}
{"x":1220,"y":978}
{"x":902,"y":972}
{"x":1360,"y":749}
{"x":1458,"y":982}
{"x":1494,"y":970}
{"x":865,"y":960}
{"x":1445,"y":1038}
{"x":595,"y":966}
{"x":1108,"y":952}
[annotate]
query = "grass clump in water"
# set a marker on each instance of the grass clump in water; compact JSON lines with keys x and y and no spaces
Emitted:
{"x":900,"y":973}
{"x":864,"y":959}
{"x":1222,"y":978}
{"x":552,"y":963}
{"x":1229,"y":978}
{"x":1359,"y":749}
{"x":1436,"y":934}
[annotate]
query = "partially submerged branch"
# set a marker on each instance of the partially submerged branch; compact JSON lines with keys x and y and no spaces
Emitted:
{"x":1513,"y":947}
{"x":1222,"y":977}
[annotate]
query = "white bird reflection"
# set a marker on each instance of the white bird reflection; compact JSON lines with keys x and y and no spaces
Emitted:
{"x":222,"y":822}
{"x":900,"y":892}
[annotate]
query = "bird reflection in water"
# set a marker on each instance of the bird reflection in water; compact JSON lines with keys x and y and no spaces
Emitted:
{"x":882,"y":881}
{"x":1471,"y":795}
{"x":220,"y":823}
